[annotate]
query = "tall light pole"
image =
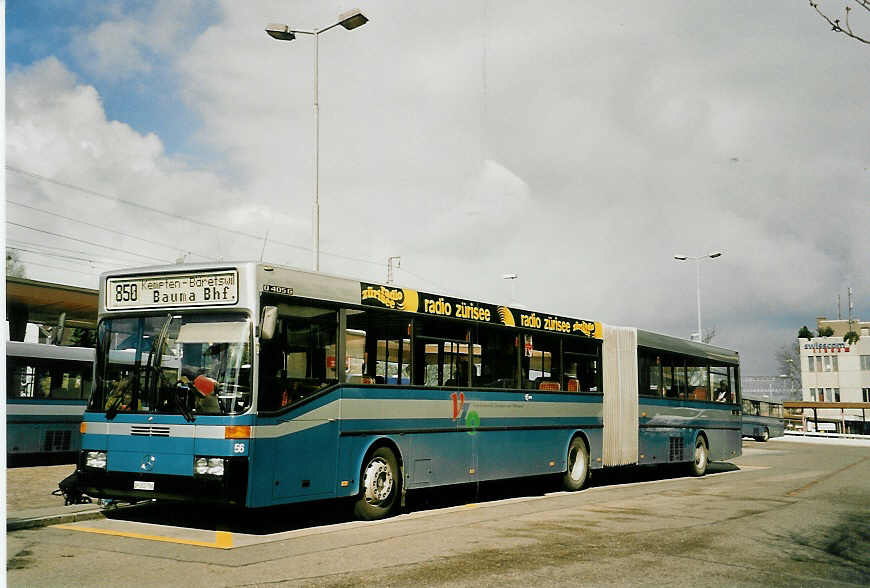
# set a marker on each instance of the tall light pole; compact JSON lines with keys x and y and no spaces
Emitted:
{"x":349,"y":20}
{"x":697,"y":259}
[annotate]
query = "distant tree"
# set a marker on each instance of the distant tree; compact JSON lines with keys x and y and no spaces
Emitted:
{"x":845,"y":27}
{"x":709,"y":334}
{"x":82,"y":337}
{"x":826,"y":331}
{"x":851,"y":337}
{"x":788,"y":358}
{"x":805,"y":333}
{"x":14,"y":267}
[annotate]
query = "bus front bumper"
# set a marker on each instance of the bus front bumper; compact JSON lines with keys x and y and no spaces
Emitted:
{"x":231,"y":488}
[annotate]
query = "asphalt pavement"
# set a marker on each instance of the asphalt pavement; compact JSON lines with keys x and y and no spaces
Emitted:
{"x":31,"y":503}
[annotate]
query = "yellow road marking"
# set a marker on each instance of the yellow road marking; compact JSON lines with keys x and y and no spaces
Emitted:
{"x":223,"y":539}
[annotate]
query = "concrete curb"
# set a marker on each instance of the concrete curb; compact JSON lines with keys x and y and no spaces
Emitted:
{"x":58,"y":517}
{"x":17,"y":524}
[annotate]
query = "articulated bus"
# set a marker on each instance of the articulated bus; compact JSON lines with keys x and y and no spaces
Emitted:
{"x":762,"y":420}
{"x":256,"y":385}
{"x":47,"y":388}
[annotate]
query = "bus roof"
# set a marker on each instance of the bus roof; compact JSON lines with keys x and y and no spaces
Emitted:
{"x":676,"y":345}
{"x":46,"y":351}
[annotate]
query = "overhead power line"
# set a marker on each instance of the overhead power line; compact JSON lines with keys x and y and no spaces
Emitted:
{"x":66,"y":269}
{"x":176,"y":216}
{"x":89,"y":260}
{"x":52,"y":250}
{"x":86,"y":242}
{"x":102,"y":228}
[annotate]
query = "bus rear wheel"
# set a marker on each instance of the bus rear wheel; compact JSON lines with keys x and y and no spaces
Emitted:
{"x":578,"y":466}
{"x":380,"y":484}
{"x":699,"y":464}
{"x":765,"y":435}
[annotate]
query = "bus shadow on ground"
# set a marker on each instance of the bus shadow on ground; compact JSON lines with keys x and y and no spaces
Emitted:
{"x":281,"y":519}
{"x":46,"y":459}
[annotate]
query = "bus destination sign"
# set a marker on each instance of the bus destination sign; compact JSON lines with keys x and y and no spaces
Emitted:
{"x":171,"y":290}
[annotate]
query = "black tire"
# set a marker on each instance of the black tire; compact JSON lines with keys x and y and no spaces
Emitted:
{"x":380,"y":485}
{"x":698,"y":465}
{"x":765,"y":435}
{"x":577,"y":470}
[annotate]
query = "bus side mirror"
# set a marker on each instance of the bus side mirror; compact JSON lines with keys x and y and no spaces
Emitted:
{"x":268,"y":322}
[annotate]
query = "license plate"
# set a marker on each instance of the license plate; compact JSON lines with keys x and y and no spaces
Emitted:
{"x":138,"y":485}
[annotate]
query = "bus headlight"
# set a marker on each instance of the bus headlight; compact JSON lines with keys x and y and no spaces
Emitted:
{"x":95,"y":459}
{"x":208,"y":466}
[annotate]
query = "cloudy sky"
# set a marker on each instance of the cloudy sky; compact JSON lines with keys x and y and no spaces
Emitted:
{"x":579,"y":145}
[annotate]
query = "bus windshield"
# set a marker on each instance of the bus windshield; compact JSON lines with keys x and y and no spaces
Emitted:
{"x":188,"y":364}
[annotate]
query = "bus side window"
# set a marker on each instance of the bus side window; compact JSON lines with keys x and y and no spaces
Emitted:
{"x":300,"y":359}
{"x":44,"y":382}
{"x":698,"y":384}
{"x":680,"y":379}
{"x":581,"y":359}
{"x":541,"y":358}
{"x":497,"y":363}
{"x":719,"y":382}
{"x":378,"y":348}
{"x":655,"y":377}
{"x":441,"y":353}
{"x":19,"y":379}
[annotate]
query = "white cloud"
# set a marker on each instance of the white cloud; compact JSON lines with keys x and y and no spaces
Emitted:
{"x":128,"y":43}
{"x":581,"y":153}
{"x":56,"y":128}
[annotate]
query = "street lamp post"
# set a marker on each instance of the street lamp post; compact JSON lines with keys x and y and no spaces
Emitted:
{"x":349,"y":20}
{"x":697,"y":259}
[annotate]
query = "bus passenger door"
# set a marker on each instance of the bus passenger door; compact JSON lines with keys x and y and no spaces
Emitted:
{"x":304,"y":453}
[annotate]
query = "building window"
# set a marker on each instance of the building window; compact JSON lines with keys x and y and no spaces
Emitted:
{"x":811,"y":363}
{"x":821,"y":394}
{"x":827,"y":362}
{"x":836,"y":395}
{"x":813,"y":394}
{"x":835,"y":361}
{"x":866,"y":393}
{"x":865,"y":362}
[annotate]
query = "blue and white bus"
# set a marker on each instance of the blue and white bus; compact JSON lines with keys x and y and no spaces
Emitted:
{"x":47,"y":387}
{"x":257,"y":385}
{"x":762,"y":420}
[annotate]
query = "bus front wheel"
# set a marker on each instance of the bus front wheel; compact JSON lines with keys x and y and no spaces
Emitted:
{"x":578,"y":466}
{"x":380,"y":484}
{"x":699,"y":464}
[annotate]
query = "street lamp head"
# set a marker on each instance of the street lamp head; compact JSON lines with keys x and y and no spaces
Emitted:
{"x":714,"y":254}
{"x":681,"y":257}
{"x":352,"y":19}
{"x":281,"y":32}
{"x":509,"y":277}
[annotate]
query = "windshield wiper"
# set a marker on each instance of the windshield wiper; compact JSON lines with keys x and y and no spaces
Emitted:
{"x":188,"y":416}
{"x":112,"y":411}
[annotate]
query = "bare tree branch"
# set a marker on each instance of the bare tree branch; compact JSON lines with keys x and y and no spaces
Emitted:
{"x":835,"y":23}
{"x":708,"y":334}
{"x":788,"y":359}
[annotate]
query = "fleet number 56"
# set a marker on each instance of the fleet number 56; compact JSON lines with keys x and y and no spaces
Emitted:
{"x":126,"y":293}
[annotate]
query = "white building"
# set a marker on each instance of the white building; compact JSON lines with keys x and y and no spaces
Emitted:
{"x":835,"y":371}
